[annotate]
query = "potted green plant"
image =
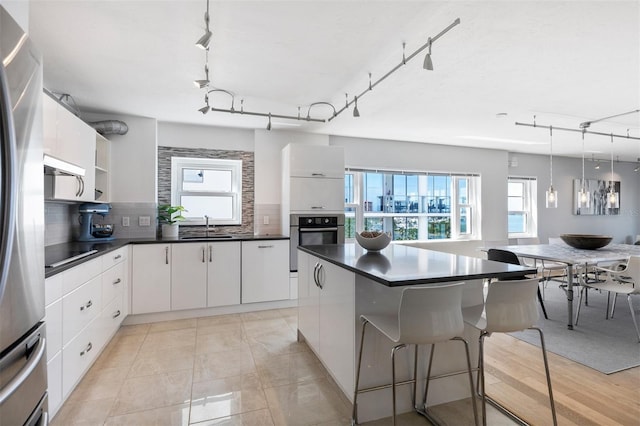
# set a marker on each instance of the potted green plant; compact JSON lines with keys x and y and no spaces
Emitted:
{"x":170,"y":216}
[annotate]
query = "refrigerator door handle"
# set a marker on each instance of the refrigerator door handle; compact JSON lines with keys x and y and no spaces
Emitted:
{"x":18,"y":379}
{"x":7,"y":180}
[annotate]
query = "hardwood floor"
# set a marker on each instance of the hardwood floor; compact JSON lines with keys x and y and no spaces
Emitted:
{"x":583,"y":396}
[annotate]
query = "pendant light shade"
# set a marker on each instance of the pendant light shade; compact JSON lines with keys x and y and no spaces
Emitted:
{"x":551,"y":194}
{"x":356,"y":113}
{"x":584,"y":200}
{"x":428,"y":63}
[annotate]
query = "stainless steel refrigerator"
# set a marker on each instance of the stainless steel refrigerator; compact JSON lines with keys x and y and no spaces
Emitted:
{"x":23,"y":374}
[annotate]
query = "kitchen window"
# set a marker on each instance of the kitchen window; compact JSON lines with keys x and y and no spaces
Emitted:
{"x":411,"y":205}
{"x":522,"y":207}
{"x":211,"y":187}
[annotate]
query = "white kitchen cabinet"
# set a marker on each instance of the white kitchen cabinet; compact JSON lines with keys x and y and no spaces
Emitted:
{"x":54,"y":382}
{"x":80,"y":307}
{"x":265,"y":270}
{"x":316,"y":195}
{"x":318,"y":161}
{"x":102,"y":167}
{"x":68,"y":138}
{"x":223,"y":273}
{"x":189,"y":275}
{"x":78,"y":355}
{"x":326,"y":303}
{"x":151,"y":278}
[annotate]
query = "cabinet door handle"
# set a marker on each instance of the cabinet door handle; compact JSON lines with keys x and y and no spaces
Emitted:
{"x":80,"y":186}
{"x":86,"y":306}
{"x":87,"y":349}
{"x":203,"y":260}
{"x":78,"y":181}
{"x":117,"y":257}
{"x":271,"y":246}
{"x":210,"y":254}
{"x":118,"y":281}
{"x":315,"y":274}
{"x":117,"y":314}
{"x":317,"y":207}
{"x":166,"y":255}
{"x":318,"y":174}
{"x":320,"y":269}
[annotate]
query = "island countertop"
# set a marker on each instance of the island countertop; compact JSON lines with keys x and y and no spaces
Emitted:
{"x":400,"y":265}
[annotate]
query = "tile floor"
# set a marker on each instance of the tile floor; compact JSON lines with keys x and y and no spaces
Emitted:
{"x":241,"y":369}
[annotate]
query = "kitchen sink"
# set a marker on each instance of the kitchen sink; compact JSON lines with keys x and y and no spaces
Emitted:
{"x":207,"y":237}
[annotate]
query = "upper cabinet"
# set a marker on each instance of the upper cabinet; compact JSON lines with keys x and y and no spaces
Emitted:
{"x":68,"y":138}
{"x":316,"y":161}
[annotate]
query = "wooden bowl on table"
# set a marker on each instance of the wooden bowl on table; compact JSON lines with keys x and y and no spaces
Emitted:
{"x":586,"y":241}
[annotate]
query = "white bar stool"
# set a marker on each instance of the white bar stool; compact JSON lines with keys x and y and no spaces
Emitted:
{"x":426,"y":315}
{"x":509,"y":306}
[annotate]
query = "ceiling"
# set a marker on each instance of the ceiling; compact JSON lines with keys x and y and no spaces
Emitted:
{"x":564,"y":62}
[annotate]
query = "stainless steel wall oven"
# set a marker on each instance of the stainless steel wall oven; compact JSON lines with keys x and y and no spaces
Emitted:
{"x":308,"y":230}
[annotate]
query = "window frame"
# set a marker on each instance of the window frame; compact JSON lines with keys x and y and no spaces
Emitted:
{"x":530,"y":206}
{"x":473,"y":203}
{"x":178,"y":164}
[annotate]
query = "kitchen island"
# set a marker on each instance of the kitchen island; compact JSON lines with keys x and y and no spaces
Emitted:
{"x":338,"y":283}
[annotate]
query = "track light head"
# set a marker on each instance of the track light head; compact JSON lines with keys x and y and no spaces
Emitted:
{"x":203,"y":42}
{"x":356,"y":113}
{"x":428,"y":63}
{"x":269,"y":124}
{"x":205,"y":109}
{"x":201,"y":84}
{"x":638,"y":166}
{"x":597,"y":167}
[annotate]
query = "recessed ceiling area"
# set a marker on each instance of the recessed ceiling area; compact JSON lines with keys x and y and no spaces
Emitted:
{"x":564,"y":62}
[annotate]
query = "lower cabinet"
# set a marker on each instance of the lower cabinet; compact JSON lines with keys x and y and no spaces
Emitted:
{"x":223,"y":274}
{"x":265,"y":270}
{"x":85,"y":306}
{"x":326,"y":315}
{"x":188,"y":276}
{"x":151,"y":278}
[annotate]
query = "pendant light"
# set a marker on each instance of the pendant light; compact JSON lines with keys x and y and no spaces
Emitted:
{"x":584,"y":200}
{"x":612,"y":196}
{"x":551,"y":194}
{"x":203,"y":42}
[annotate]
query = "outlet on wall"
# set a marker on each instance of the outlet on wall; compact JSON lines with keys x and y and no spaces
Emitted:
{"x":265,"y":220}
{"x":125,"y":220}
{"x":144,"y":220}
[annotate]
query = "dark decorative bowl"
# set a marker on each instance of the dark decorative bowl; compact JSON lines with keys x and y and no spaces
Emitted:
{"x":586,"y":241}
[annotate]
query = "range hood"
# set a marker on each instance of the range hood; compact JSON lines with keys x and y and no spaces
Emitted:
{"x":56,"y":166}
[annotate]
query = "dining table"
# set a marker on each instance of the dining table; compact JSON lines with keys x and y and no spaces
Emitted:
{"x":573,"y":257}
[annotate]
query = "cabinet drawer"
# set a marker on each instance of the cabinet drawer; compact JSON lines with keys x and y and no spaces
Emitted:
{"x":113,"y":281}
{"x":111,"y":318}
{"x":53,"y":319}
{"x":80,"y":307}
{"x":52,"y":289}
{"x":115,"y":257}
{"x":78,"y":355}
{"x":75,"y":277}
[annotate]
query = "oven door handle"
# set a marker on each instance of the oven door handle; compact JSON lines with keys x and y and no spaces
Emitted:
{"x":317,"y":229}
{"x":25,"y":372}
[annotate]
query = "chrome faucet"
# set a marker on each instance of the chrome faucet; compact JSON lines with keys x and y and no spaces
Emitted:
{"x":206,"y":219}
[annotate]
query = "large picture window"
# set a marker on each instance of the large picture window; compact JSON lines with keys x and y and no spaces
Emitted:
{"x":207,"y":187}
{"x":411,"y":205}
{"x":521,"y":206}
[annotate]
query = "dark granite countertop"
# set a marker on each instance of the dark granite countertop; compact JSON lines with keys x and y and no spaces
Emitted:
{"x":57,"y":252}
{"x":399,"y":265}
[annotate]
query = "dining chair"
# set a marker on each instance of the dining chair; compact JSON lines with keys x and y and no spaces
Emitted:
{"x":622,"y":280}
{"x":510,"y":306}
{"x":426,"y":315}
{"x":506,"y":256}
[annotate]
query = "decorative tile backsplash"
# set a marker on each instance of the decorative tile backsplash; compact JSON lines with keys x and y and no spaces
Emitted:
{"x":164,"y":183}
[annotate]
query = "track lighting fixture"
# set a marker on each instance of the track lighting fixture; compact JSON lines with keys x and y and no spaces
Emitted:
{"x":269,"y":124}
{"x":638,"y":166}
{"x":200,"y":84}
{"x":205,"y":109}
{"x":356,"y":113}
{"x":203,"y":42}
{"x":320,"y":103}
{"x":584,"y":200}
{"x":552,"y":194}
{"x":428,"y":64}
{"x":597,"y":167}
{"x":612,"y":196}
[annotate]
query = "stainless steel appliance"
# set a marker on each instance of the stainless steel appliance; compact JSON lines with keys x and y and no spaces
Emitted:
{"x":308,"y":230}
{"x":23,"y":374}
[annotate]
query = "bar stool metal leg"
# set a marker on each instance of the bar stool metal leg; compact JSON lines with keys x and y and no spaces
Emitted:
{"x":473,"y":397}
{"x":393,"y":379}
{"x":354,"y":414}
{"x":546,"y":370}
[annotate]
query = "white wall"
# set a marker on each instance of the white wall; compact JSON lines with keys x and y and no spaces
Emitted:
{"x":19,"y":11}
{"x":396,"y":155}
{"x":194,"y":136}
{"x":133,"y":170}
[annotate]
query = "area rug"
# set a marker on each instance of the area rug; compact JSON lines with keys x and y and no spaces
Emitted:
{"x":604,"y":345}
